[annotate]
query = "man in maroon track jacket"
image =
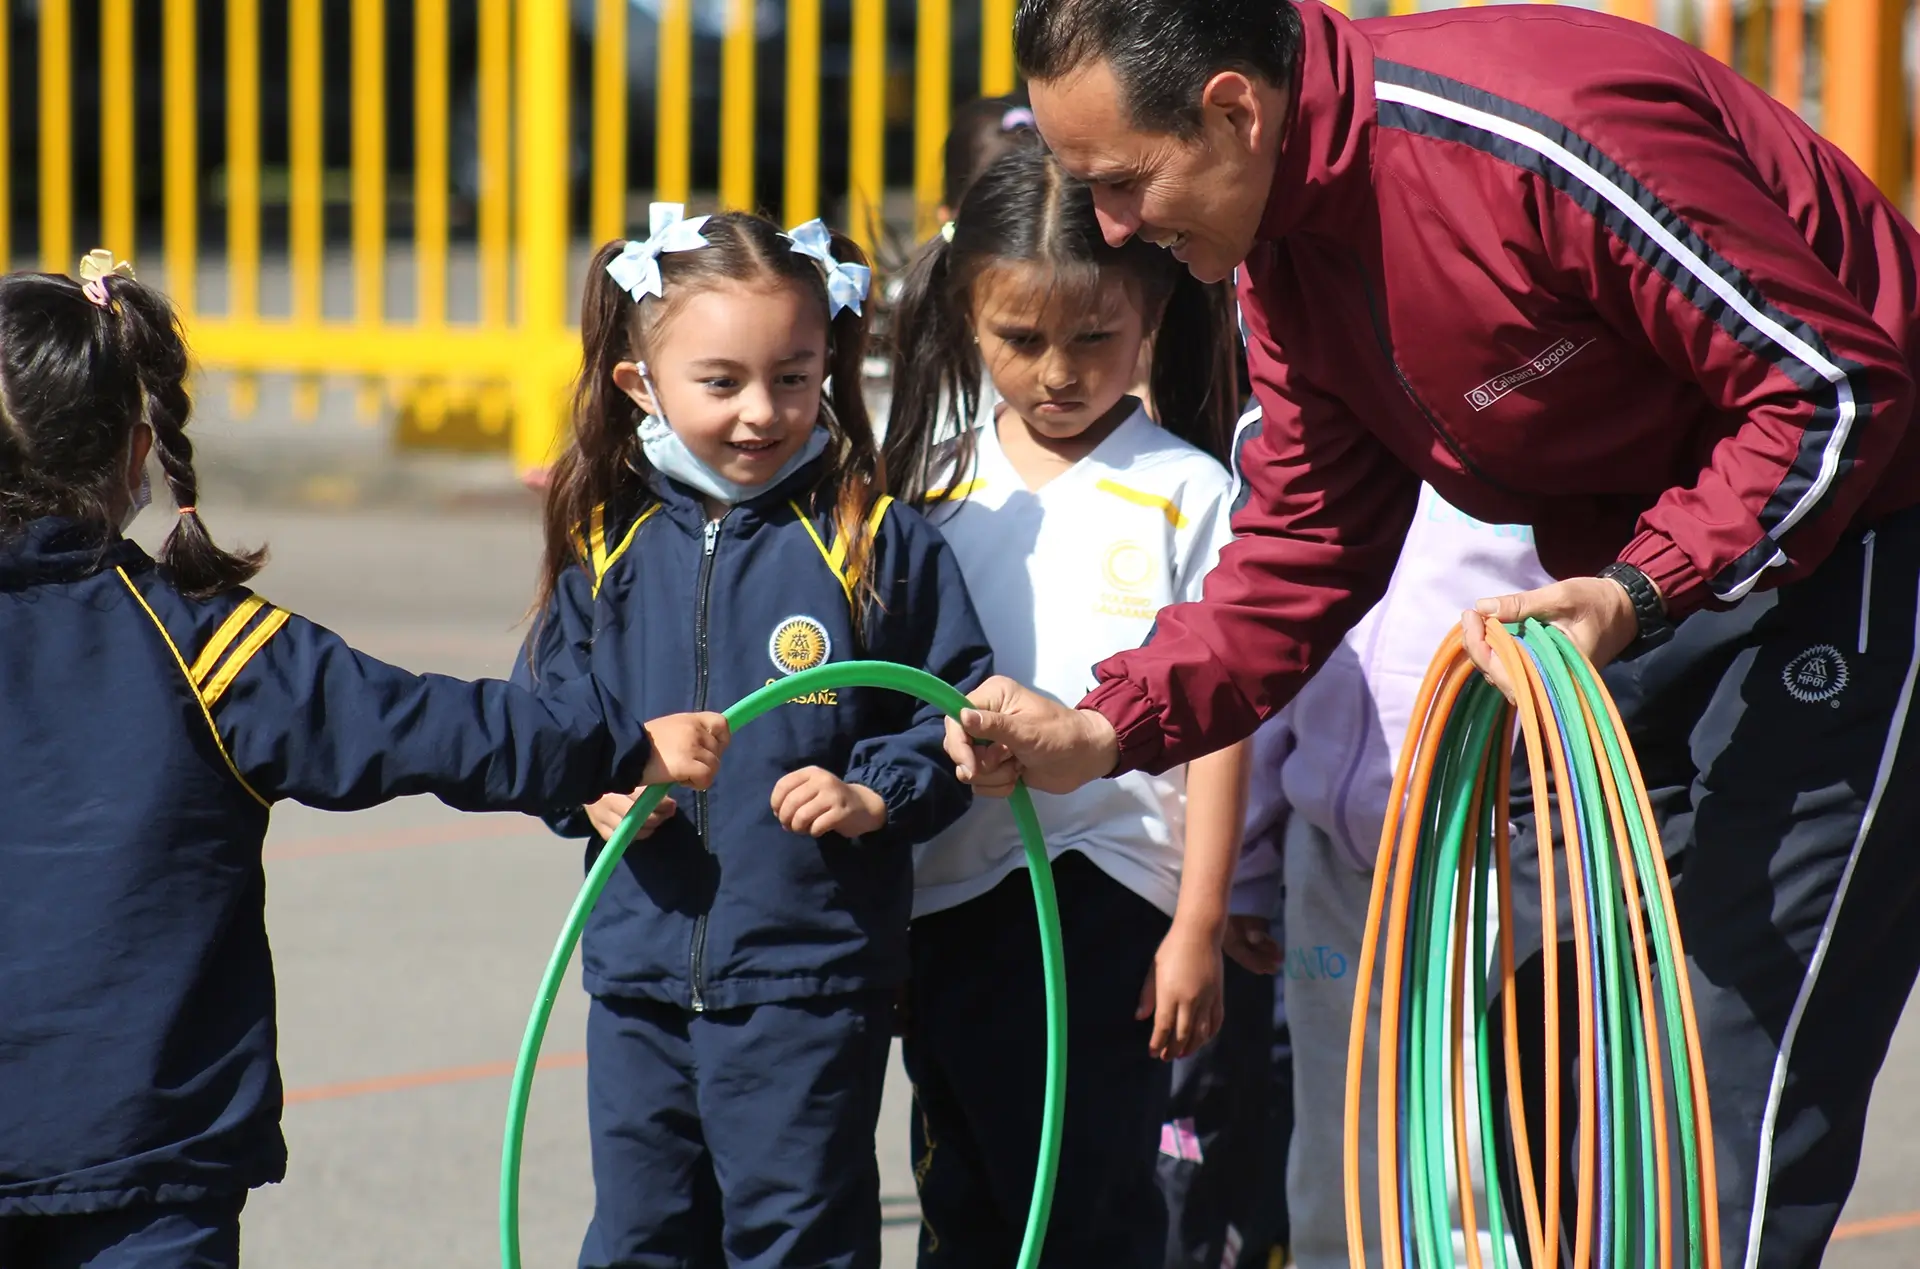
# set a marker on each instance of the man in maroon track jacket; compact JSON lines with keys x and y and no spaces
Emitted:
{"x":1574,"y":274}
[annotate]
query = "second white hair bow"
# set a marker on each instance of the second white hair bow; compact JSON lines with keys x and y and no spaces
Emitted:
{"x":637,"y":268}
{"x":846,"y":283}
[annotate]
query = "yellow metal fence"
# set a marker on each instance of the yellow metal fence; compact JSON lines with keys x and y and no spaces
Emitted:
{"x":547,"y":93}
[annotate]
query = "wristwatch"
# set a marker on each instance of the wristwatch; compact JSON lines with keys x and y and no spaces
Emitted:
{"x":1649,"y":611}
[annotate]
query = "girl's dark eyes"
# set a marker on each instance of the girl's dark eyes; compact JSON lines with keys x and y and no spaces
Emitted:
{"x":718,"y":385}
{"x":794,"y":381}
{"x":1096,"y":337}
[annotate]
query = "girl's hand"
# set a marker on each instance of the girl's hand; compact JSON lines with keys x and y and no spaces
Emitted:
{"x":686,"y":749}
{"x":606,"y":814}
{"x":1183,"y":992}
{"x":816,"y":802}
{"x":1249,"y":941}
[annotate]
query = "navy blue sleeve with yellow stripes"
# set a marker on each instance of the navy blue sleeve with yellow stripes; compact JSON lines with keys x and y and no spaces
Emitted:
{"x":924,"y":618}
{"x":304,"y":716}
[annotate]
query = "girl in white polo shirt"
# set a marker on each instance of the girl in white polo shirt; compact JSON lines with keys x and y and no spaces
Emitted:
{"x":1075,"y":518}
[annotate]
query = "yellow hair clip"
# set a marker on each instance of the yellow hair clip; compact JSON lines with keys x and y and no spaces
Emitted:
{"x":95,"y":268}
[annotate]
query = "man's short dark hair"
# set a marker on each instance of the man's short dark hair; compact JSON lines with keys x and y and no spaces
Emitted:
{"x":1163,"y":52}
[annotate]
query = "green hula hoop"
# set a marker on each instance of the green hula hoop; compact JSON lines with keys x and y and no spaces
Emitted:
{"x":846,"y":674}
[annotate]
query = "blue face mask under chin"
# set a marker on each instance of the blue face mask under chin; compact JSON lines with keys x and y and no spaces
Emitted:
{"x":669,"y":456}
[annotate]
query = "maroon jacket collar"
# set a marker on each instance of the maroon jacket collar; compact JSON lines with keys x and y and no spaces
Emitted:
{"x":1324,"y":177}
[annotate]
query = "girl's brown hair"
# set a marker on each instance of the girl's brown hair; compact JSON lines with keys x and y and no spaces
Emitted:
{"x":603,"y":459}
{"x":75,"y":380}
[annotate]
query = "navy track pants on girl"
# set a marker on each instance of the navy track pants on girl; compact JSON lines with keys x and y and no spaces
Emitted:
{"x":739,"y":1137}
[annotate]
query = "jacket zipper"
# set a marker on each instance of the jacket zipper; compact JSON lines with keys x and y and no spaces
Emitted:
{"x":1866,"y":586}
{"x":1406,"y":385}
{"x":698,"y":953}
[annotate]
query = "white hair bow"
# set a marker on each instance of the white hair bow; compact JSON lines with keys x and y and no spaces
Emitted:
{"x":636,"y":269}
{"x":846,"y":283}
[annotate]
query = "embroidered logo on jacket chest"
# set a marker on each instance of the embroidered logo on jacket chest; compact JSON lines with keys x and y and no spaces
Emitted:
{"x":799,"y":643}
{"x":1539,"y":368}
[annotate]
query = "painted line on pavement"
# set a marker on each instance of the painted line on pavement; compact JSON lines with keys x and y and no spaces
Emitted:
{"x":426,"y":1079}
{"x":1897,"y":1223}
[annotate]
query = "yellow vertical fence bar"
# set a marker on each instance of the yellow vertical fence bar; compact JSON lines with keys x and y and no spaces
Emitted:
{"x":495,"y":159}
{"x":609,"y":217}
{"x":243,"y":159}
{"x":1863,"y":97}
{"x":802,"y":156}
{"x":430,"y":160}
{"x":996,"y":47}
{"x":673,"y":103}
{"x":1789,"y":52}
{"x":116,"y":125}
{"x":737,"y":107}
{"x":932,"y":91}
{"x":1717,"y":39}
{"x":243,"y":179}
{"x":369,"y":160}
{"x":303,"y":146}
{"x":1756,"y":41}
{"x":305,"y":210}
{"x":181,"y":192}
{"x":867,"y":146}
{"x":56,"y":136}
{"x":369,"y":91}
{"x":541,"y":111}
{"x":6,"y":137}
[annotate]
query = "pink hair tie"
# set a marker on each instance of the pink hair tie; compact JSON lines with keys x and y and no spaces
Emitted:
{"x":187,"y":511}
{"x":1016,"y":118}
{"x":97,"y":292}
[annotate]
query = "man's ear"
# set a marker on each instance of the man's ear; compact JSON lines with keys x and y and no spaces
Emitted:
{"x":631,"y":378}
{"x":1252,"y":111}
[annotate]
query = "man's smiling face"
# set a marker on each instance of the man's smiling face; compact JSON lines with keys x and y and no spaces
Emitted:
{"x":1201,"y":196}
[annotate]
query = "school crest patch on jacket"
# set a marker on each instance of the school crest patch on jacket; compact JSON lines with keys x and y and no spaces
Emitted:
{"x":799,"y":643}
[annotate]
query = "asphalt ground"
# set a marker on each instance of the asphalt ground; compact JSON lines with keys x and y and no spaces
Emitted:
{"x":409,"y":941}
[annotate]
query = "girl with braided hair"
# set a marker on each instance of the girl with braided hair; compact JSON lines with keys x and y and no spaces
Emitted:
{"x":139,"y":1092}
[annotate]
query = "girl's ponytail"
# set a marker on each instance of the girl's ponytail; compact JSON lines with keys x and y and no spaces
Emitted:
{"x":151,"y":341}
{"x":1194,"y":376}
{"x":859,"y":471}
{"x":603,"y":439}
{"x":935,"y":361}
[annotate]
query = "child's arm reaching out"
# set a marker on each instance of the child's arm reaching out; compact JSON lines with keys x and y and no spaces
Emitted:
{"x":311,"y":719}
{"x":1183,"y":993}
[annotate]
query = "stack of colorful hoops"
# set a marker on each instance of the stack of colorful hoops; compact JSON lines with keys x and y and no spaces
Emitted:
{"x":1444,"y":859}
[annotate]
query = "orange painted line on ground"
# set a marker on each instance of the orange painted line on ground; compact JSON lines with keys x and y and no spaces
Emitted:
{"x":425,"y":1079}
{"x":405,"y":838}
{"x":1897,"y":1223}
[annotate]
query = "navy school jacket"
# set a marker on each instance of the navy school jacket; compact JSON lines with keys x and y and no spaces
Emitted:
{"x":143,"y":737}
{"x":722,"y":907}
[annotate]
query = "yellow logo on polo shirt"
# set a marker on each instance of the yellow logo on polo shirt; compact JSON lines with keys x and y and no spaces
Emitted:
{"x":1128,"y":570}
{"x":799,"y":643}
{"x":1129,"y":567}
